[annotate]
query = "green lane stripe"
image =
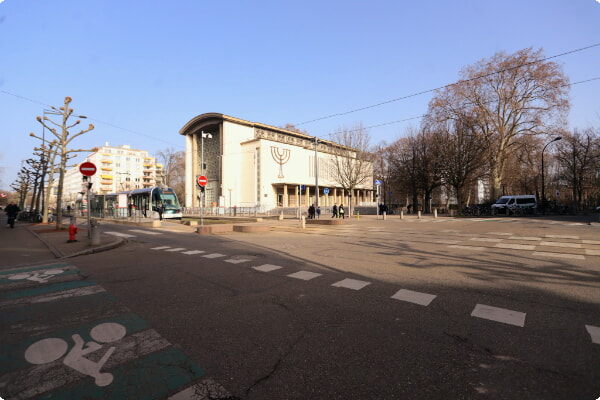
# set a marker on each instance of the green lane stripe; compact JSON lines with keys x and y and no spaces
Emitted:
{"x":148,"y":378}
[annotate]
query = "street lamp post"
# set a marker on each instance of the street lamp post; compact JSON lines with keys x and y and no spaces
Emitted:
{"x":543,"y":183}
{"x":202,"y":190}
{"x":316,"y":173}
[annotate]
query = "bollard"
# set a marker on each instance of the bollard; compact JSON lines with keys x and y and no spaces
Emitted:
{"x":418,"y":214}
{"x":435,"y":213}
{"x":401,"y":214}
{"x":357,"y":215}
{"x":95,"y":227}
{"x":281,"y":216}
{"x":72,"y":230}
{"x":384,"y":215}
{"x":302,"y":222}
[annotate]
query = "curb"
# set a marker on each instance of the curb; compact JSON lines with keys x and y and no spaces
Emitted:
{"x":58,"y":254}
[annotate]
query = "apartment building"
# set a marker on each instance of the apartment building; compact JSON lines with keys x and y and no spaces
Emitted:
{"x":117,"y":168}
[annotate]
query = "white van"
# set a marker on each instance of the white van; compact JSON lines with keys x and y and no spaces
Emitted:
{"x":523,"y":204}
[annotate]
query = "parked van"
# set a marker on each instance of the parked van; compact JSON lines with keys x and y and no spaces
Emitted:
{"x":526,"y":204}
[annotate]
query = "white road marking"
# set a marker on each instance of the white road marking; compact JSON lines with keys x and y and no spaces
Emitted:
{"x":120,"y":234}
{"x":562,"y":237}
{"x":477,"y":248}
{"x":591,"y":241}
{"x":354,"y":284}
{"x":529,"y":238}
{"x":499,"y":315}
{"x":410,"y":296}
{"x":193,"y":252}
{"x":561,"y":244}
{"x":176,"y":249}
{"x":482,"y":239}
{"x":592,"y":252}
{"x":501,"y":233}
{"x":267,"y":267}
{"x":84,"y":291}
{"x":205,"y":390}
{"x":160,"y":248}
{"x":236,"y":260}
{"x":145,"y":232}
{"x":304,"y":275}
{"x":594,"y":332}
{"x":559,"y":255}
{"x":515,"y":246}
{"x":214,"y":255}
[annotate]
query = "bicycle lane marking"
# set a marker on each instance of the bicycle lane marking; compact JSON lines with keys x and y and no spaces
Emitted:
{"x":117,"y":357}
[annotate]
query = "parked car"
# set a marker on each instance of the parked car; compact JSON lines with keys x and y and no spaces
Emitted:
{"x":526,"y":203}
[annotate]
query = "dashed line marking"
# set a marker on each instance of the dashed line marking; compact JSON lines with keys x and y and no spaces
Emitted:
{"x":304,"y":275}
{"x":561,"y":237}
{"x":559,"y":255}
{"x":120,"y":234}
{"x":353,"y":284}
{"x":476,"y":248}
{"x":176,"y":249}
{"x":594,"y":332}
{"x":160,"y":248}
{"x":515,"y":246}
{"x":236,"y":260}
{"x":267,"y":267}
{"x":561,"y":244}
{"x":423,"y":299}
{"x":193,"y":252}
{"x":214,"y":255}
{"x":503,"y":315}
{"x":529,"y":238}
{"x":145,"y":232}
{"x":482,"y":239}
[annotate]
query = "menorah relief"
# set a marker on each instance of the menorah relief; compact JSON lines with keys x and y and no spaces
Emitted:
{"x":281,"y":156}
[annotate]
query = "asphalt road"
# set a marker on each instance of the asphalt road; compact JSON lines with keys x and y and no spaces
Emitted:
{"x":500,"y":309}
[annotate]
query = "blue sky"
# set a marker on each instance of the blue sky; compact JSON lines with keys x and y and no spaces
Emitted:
{"x":141,"y":69}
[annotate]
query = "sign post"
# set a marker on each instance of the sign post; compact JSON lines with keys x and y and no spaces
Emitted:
{"x":201,"y":181}
{"x":88,"y":169}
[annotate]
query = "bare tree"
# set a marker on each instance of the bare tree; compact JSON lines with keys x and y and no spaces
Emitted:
{"x":506,"y":96}
{"x":352,"y":160}
{"x":579,"y":158}
{"x":462,"y":155}
{"x":62,"y":141}
{"x":173,"y":163}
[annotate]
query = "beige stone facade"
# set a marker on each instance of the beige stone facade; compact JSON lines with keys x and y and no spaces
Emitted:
{"x":253,"y":164}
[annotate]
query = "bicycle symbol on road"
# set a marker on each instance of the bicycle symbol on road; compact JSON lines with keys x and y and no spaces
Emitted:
{"x":51,"y":349}
{"x":36,"y":276}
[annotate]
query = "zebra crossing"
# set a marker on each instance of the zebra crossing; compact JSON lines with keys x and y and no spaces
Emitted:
{"x":481,"y":311}
{"x":64,"y":337}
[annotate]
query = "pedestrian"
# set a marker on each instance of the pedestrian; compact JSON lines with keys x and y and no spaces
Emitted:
{"x":311,"y":211}
{"x":12,"y":210}
{"x":160,"y":209}
{"x":341,"y":211}
{"x":319,"y":212}
{"x":334,"y":211}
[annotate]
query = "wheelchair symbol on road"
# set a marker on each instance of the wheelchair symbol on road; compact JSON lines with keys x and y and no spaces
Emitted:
{"x":51,"y":349}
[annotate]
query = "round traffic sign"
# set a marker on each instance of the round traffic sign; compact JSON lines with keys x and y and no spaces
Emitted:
{"x":202,"y":180}
{"x":87,"y":168}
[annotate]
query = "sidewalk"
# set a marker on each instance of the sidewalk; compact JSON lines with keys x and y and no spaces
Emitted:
{"x":29,"y":243}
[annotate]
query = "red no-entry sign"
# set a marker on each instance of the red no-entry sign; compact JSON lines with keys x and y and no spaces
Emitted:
{"x":202,"y":180}
{"x":87,"y":168}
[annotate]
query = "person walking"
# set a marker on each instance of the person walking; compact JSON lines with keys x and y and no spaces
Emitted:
{"x":341,"y":211}
{"x":334,"y":211}
{"x":319,"y":212}
{"x":12,"y":210}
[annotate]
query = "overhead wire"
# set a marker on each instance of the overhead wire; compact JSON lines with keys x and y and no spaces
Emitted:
{"x":445,"y":86}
